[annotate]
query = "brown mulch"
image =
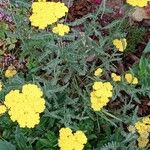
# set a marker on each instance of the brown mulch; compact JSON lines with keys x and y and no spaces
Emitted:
{"x":79,"y":9}
{"x":144,"y":107}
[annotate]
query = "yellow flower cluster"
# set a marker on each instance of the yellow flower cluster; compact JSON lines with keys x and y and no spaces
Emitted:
{"x":120,"y":44}
{"x":98,"y":72}
{"x":143,"y":128}
{"x":61,"y":29}
{"x":10,"y":72}
{"x":100,"y":95}
{"x":131,"y":79}
{"x":71,"y":141}
{"x":25,"y":107}
{"x":139,"y":3}
{"x":115,"y":77}
{"x":46,"y":13}
{"x":3,"y":109}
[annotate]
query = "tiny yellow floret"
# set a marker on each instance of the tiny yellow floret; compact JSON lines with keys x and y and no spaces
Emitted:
{"x":10,"y":72}
{"x":3,"y":109}
{"x":115,"y":77}
{"x":142,"y":142}
{"x":131,"y":129}
{"x":120,"y":44}
{"x":61,"y":29}
{"x":131,"y":79}
{"x":98,"y":72}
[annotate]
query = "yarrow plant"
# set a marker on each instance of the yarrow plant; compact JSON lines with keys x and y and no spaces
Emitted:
{"x":71,"y":141}
{"x":25,"y":106}
{"x":82,"y":54}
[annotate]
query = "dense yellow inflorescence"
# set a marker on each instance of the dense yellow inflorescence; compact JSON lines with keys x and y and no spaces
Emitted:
{"x":46,"y":13}
{"x":71,"y":141}
{"x":98,"y":72}
{"x":139,"y":3}
{"x":115,"y":77}
{"x":61,"y":29}
{"x":120,"y":44}
{"x":131,"y":79}
{"x":10,"y":72}
{"x":25,"y":106}
{"x":143,"y":129}
{"x":100,"y":95}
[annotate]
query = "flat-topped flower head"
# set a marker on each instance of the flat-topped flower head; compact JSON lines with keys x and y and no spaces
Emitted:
{"x":143,"y":126}
{"x":71,"y":141}
{"x":26,"y":105}
{"x":100,"y":95}
{"x":143,"y":129}
{"x":10,"y":72}
{"x":139,"y":3}
{"x":115,"y":77}
{"x":61,"y":29}
{"x":131,"y":79}
{"x":120,"y":44}
{"x":98,"y":72}
{"x":46,"y":13}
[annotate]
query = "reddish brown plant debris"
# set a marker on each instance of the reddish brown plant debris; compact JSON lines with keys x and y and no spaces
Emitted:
{"x":147,"y":9}
{"x":79,"y":9}
{"x":9,"y":59}
{"x":116,"y":104}
{"x":129,"y":60}
{"x":144,"y":107}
